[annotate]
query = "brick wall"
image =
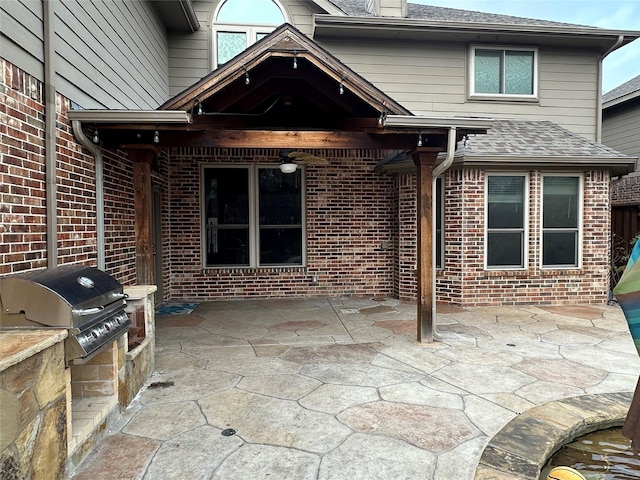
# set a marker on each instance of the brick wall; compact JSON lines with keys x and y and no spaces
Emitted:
{"x":464,"y":279}
{"x":23,"y":208}
{"x":626,"y":191}
{"x":350,"y":218}
{"x":22,"y":173}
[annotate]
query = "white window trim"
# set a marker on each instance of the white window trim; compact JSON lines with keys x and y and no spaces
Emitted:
{"x":525,"y":219}
{"x":580,"y":227}
{"x":501,"y":96}
{"x":252,"y":30}
{"x":254,"y":227}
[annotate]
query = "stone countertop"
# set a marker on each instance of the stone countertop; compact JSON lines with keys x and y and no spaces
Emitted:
{"x":18,"y":345}
{"x":137,"y":292}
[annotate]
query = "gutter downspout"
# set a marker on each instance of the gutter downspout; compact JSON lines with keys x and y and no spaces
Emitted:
{"x":437,"y":171}
{"x":615,"y":46}
{"x":99,"y":173}
{"x":50,"y":132}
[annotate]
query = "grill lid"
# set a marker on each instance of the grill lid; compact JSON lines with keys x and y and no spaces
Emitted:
{"x":65,"y":296}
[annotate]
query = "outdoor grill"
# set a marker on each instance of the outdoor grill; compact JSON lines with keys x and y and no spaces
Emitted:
{"x":86,"y":301}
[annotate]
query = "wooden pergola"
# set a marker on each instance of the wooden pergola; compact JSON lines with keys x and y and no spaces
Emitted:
{"x":283,"y":92}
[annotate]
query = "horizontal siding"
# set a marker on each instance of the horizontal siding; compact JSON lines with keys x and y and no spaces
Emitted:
{"x":621,"y":129}
{"x":430,"y":79}
{"x":21,"y":35}
{"x":191,"y":57}
{"x":115,"y":54}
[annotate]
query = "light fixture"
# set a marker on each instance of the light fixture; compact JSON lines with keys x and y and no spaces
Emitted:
{"x":382,"y":118}
{"x":419,"y":140}
{"x":295,"y":60}
{"x":96,"y":137}
{"x":247,"y":80}
{"x":200,"y":109}
{"x":288,"y":166}
{"x":156,"y":137}
{"x":341,"y":88}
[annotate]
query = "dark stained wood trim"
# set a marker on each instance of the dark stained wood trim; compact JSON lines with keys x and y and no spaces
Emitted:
{"x":425,"y":160}
{"x":142,"y":159}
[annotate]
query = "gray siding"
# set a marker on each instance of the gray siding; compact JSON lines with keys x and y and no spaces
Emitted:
{"x":109,"y":53}
{"x":431,"y":79}
{"x":621,"y":128}
{"x":427,"y":78}
{"x":21,"y":32}
{"x":191,"y":56}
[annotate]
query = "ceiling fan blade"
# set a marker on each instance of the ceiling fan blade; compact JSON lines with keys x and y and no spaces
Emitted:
{"x":303,"y":157}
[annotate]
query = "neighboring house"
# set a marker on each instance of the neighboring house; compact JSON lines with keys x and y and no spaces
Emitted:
{"x":621,"y":130}
{"x":197,"y":204}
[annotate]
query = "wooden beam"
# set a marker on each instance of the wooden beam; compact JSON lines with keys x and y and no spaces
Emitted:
{"x":274,"y":139}
{"x":142,"y":159}
{"x":424,"y":160}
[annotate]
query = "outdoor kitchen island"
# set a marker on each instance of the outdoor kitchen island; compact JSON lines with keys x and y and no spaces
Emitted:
{"x":52,"y":413}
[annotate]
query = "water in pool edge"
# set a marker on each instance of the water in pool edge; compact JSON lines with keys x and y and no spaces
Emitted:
{"x":600,"y":455}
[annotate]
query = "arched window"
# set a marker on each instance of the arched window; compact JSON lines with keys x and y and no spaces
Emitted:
{"x":240,"y":23}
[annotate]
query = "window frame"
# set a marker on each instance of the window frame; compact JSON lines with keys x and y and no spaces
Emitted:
{"x":254,"y":221}
{"x":579,"y":229}
{"x":252,"y":30}
{"x":525,"y":222}
{"x":472,"y":94}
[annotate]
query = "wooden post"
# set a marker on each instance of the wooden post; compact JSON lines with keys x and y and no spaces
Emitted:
{"x":142,"y":159}
{"x":424,"y":160}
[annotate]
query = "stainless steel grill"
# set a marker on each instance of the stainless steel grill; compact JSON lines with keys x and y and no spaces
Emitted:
{"x":85,"y":300}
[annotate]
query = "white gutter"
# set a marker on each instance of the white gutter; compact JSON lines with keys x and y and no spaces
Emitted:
{"x":437,"y":171}
{"x":615,"y":46}
{"x":131,"y":116}
{"x":422,"y":122}
{"x":99,"y":173}
{"x":50,"y":133}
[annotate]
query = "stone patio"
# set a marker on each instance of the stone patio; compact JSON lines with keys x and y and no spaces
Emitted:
{"x":339,"y":389}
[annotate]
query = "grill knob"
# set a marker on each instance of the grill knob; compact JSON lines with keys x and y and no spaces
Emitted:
{"x":95,"y":333}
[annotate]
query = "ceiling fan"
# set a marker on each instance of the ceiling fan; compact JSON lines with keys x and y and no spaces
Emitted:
{"x":290,"y":159}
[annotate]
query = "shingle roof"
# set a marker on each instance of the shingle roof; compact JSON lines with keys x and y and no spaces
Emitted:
{"x":534,"y":138}
{"x":627,"y":88}
{"x":524,"y":143}
{"x":415,"y":11}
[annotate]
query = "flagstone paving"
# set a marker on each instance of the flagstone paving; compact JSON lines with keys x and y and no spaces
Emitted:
{"x":339,"y":388}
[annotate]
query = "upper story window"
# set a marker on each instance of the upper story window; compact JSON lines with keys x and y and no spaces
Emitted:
{"x":240,"y":23}
{"x":503,"y":73}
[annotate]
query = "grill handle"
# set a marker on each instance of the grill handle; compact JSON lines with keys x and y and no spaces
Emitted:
{"x":90,"y":311}
{"x":121,"y":295}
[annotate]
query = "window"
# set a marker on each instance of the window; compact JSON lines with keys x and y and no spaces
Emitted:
{"x":241,"y":23}
{"x":252,"y":216}
{"x":561,"y":213}
{"x":497,"y":72}
{"x":505,"y":221}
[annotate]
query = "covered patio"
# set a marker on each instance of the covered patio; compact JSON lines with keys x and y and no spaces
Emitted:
{"x":284,"y":93}
{"x":338,"y":388}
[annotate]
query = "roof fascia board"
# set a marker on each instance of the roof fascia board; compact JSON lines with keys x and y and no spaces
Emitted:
{"x":382,"y":24}
{"x":617,"y":165}
{"x":622,"y":99}
{"x":419,"y":121}
{"x":130,"y":116}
